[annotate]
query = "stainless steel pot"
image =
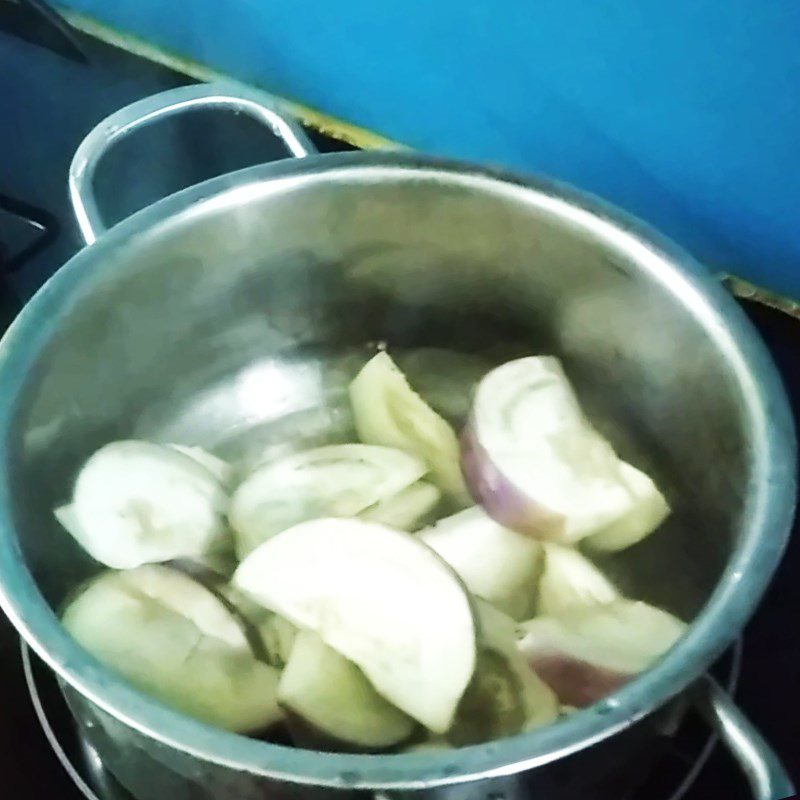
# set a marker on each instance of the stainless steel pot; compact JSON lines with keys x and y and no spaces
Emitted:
{"x":231,"y":315}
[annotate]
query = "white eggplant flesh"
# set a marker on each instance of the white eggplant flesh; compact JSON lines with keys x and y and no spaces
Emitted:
{"x":379,"y":597}
{"x":505,"y":696}
{"x":191,"y":594}
{"x":269,"y":636}
{"x":497,"y":564}
{"x":387,"y":411}
{"x":332,"y":481}
{"x":570,"y":580}
{"x":536,"y":464}
{"x":407,"y":510}
{"x":647,"y":511}
{"x":135,"y":503}
{"x":333,"y":705}
{"x":220,"y":469}
{"x":589,"y":652}
{"x":174,"y":640}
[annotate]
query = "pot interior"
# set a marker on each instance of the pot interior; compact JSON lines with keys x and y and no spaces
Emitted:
{"x":235,"y":323}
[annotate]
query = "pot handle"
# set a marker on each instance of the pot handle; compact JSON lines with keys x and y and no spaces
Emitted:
{"x":203,"y":96}
{"x":766,"y":775}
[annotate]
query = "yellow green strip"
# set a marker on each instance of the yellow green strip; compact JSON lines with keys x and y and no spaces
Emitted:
{"x":749,"y":291}
{"x":322,"y":122}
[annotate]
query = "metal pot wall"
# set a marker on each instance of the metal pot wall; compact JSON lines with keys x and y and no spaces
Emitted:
{"x":233,"y":312}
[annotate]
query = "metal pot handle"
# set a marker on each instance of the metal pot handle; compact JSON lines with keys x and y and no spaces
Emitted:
{"x":766,"y":775}
{"x":203,"y":96}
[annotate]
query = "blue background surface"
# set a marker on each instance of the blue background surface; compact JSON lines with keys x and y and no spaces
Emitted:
{"x":686,"y":113}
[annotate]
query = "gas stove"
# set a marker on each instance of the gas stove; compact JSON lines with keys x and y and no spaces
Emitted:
{"x":55,"y":85}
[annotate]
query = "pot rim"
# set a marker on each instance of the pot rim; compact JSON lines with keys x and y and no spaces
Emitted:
{"x":766,"y":524}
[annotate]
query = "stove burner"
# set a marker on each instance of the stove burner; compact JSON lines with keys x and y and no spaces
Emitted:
{"x":671,"y":779}
{"x":79,"y":759}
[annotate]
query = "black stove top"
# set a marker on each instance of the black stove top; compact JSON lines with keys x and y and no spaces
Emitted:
{"x":54,"y":86}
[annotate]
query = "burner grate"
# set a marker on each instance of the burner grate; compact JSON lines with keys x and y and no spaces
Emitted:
{"x":675,"y":772}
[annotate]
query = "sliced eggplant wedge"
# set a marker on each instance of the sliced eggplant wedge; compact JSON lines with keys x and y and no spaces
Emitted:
{"x":570,"y":580}
{"x":174,"y":640}
{"x":536,"y":464}
{"x":497,"y":564}
{"x":505,"y":696}
{"x":332,"y":706}
{"x":646,"y":512}
{"x":193,"y":591}
{"x":331,"y":481}
{"x":408,"y":510}
{"x":379,"y":597}
{"x":269,"y":637}
{"x":136,"y":502}
{"x":588,"y":652}
{"x":387,"y":411}
{"x":220,"y":469}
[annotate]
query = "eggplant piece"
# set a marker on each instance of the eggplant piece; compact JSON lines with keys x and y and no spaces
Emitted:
{"x":387,"y":411}
{"x":589,"y":652}
{"x":220,"y":469}
{"x":647,"y":510}
{"x":270,"y":637}
{"x":379,"y":597}
{"x":570,"y":580}
{"x":173,"y":639}
{"x":136,"y":502}
{"x":331,"y":481}
{"x":536,"y":464}
{"x":497,"y":564}
{"x":331,"y":705}
{"x":407,"y":510}
{"x":505,"y":696}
